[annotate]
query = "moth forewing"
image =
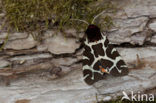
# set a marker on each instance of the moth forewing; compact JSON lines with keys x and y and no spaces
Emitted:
{"x":100,"y":57}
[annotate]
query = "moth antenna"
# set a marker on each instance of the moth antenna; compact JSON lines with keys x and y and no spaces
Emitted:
{"x":80,"y":21}
{"x":99,"y":15}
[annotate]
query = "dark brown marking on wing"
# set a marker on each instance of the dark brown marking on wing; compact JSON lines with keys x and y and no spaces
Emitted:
{"x":96,"y":66}
{"x":111,"y":54}
{"x":85,"y":62}
{"x":115,"y":72}
{"x":98,"y":50}
{"x":97,"y":77}
{"x":106,"y":42}
{"x":124,"y":69}
{"x":106,"y":63}
{"x":88,"y":79}
{"x":88,"y":54}
{"x":120,"y":63}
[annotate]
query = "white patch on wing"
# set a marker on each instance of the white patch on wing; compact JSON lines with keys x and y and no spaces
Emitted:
{"x":113,"y":50}
{"x":85,"y":57}
{"x":85,"y":76}
{"x":124,"y":66}
{"x":86,"y":67}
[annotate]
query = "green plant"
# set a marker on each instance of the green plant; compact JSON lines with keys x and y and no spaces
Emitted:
{"x":0,"y":7}
{"x":39,"y":15}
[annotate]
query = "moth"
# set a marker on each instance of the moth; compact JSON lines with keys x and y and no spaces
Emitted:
{"x":100,"y":58}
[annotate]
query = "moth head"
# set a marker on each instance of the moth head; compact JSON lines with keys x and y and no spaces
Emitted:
{"x":93,"y":33}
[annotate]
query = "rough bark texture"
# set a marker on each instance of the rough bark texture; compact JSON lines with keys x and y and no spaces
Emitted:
{"x":51,"y":71}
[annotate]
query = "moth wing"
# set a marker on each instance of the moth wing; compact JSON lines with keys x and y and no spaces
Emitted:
{"x":114,"y":62}
{"x":91,"y":72}
{"x":101,"y":53}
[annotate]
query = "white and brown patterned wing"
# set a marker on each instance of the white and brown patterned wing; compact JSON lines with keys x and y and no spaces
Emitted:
{"x":101,"y":58}
{"x":91,"y":72}
{"x":118,"y":66}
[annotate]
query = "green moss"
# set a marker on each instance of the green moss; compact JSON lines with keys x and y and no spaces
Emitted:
{"x":39,"y":15}
{"x":0,"y":6}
